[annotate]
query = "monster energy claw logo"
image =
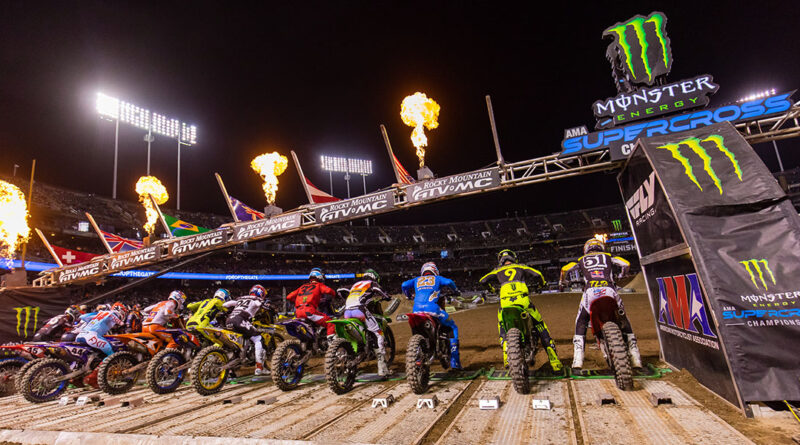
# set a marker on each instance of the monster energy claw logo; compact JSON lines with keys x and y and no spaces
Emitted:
{"x":653,"y":57}
{"x":754,"y":267}
{"x":695,"y":145}
{"x":23,"y":323}
{"x":617,"y":225}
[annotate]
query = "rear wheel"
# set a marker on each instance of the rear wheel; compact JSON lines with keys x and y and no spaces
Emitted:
{"x":161,"y":375}
{"x":417,"y":369}
{"x":21,"y":372}
{"x":340,"y":368}
{"x":9,"y":371}
{"x":516,"y":361}
{"x":43,"y":382}
{"x":111,"y":375}
{"x":208,"y":377}
{"x":287,"y":371}
{"x":618,"y":356}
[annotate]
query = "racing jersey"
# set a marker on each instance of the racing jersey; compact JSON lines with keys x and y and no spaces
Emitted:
{"x":597,"y":269}
{"x":310,"y":294}
{"x":204,"y":312}
{"x":103,"y":322}
{"x":425,"y":290}
{"x":362,"y":292}
{"x":513,"y":278}
{"x":161,"y":313}
{"x":246,"y":307}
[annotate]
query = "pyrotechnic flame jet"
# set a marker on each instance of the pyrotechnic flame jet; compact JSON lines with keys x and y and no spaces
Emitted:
{"x":13,"y":219}
{"x":269,"y":166}
{"x":420,"y":111}
{"x":150,"y":185}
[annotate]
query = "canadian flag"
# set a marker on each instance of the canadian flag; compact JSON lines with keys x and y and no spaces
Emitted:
{"x":69,"y":256}
{"x":317,"y":195}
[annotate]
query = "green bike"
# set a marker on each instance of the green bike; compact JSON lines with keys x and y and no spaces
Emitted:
{"x":521,"y":340}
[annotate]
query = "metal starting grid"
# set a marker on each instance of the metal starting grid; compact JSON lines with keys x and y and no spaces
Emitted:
{"x":401,"y":196}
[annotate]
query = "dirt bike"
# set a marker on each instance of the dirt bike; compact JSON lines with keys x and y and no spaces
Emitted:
{"x":119,"y":371}
{"x":168,"y":367}
{"x":606,"y":322}
{"x":354,"y":344}
{"x":46,"y":378}
{"x":213,"y":364}
{"x":16,"y":360}
{"x":521,"y":345}
{"x":430,"y":340}
{"x":290,"y":357}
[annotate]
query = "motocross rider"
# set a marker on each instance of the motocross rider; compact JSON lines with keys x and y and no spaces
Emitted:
{"x":80,"y":323}
{"x":595,"y":267}
{"x":239,"y":320}
{"x":92,"y":334}
{"x":512,"y":278}
{"x":308,"y":297}
{"x":356,"y":307}
{"x":204,"y":312}
{"x":424,"y":290}
{"x":133,"y":323}
{"x":161,"y":314}
{"x":58,"y":325}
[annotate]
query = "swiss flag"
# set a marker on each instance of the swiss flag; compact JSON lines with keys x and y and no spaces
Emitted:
{"x":69,"y":256}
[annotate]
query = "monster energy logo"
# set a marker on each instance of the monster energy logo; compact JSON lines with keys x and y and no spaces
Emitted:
{"x":695,"y":145}
{"x":617,"y":225}
{"x":645,"y":64}
{"x":22,"y":322}
{"x":754,"y":267}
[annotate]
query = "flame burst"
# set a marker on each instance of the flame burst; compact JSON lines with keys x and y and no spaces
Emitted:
{"x":420,"y":111}
{"x":269,"y":166}
{"x":150,"y":185}
{"x":13,"y":219}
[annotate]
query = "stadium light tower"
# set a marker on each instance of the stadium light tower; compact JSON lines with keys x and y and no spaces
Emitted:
{"x":117,"y":111}
{"x":361,"y":167}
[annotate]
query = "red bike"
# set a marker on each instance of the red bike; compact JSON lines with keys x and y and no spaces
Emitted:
{"x":606,"y":321}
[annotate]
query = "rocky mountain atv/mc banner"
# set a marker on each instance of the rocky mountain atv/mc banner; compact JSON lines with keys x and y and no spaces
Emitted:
{"x":744,"y":235}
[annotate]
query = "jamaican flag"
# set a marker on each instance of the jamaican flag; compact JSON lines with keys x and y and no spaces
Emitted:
{"x":182,"y":228}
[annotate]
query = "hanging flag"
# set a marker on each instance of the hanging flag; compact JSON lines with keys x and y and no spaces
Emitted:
{"x":244,"y":212}
{"x":120,"y":244}
{"x":318,"y":196}
{"x":402,"y":173}
{"x":69,"y":256}
{"x":182,"y":228}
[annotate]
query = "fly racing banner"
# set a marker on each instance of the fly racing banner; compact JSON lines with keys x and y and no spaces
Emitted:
{"x":264,"y":227}
{"x":138,"y":257}
{"x":355,"y":207}
{"x":744,"y":235}
{"x":451,"y":185}
{"x":23,"y":311}
{"x":198,"y":243}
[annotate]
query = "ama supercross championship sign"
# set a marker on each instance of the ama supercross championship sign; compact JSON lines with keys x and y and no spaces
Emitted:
{"x":744,"y":235}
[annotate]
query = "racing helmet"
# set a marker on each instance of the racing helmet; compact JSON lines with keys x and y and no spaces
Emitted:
{"x":506,"y":255}
{"x":429,"y":267}
{"x":370,"y":274}
{"x":222,"y":294}
{"x":594,"y":245}
{"x":316,"y":274}
{"x":178,"y":297}
{"x":83,"y":308}
{"x":120,"y":308}
{"x":73,"y":312}
{"x":258,"y":291}
{"x":101,"y":307}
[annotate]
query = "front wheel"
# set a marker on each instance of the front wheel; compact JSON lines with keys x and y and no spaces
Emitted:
{"x":9,"y":371}
{"x":618,"y":356}
{"x":111,"y":375}
{"x":340,"y":366}
{"x":418,"y":370}
{"x":208,"y":377}
{"x":287,"y":371}
{"x":43,"y":381}
{"x":161,"y":375}
{"x":516,"y":361}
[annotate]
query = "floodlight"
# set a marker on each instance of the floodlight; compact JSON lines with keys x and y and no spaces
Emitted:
{"x":359,"y":166}
{"x":107,"y":106}
{"x":759,"y":95}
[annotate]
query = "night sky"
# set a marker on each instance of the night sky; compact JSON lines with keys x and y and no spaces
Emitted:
{"x":321,"y":77}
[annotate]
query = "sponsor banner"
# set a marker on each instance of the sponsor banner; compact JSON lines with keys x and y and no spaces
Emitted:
{"x":744,"y":235}
{"x":640,"y":51}
{"x":646,"y":103}
{"x":264,"y":227}
{"x":134,"y":258}
{"x":198,"y":243}
{"x":621,"y":248}
{"x":24,"y":311}
{"x":355,"y":207}
{"x":620,"y":140}
{"x":688,"y":336}
{"x":82,"y":271}
{"x":451,"y":185}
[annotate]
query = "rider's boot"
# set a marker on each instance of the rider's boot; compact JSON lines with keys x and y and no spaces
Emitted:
{"x":261,"y":370}
{"x":91,"y":379}
{"x":555,"y":363}
{"x":505,"y":351}
{"x":383,"y":370}
{"x":577,"y":355}
{"x":455,"y":356}
{"x":633,"y":351}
